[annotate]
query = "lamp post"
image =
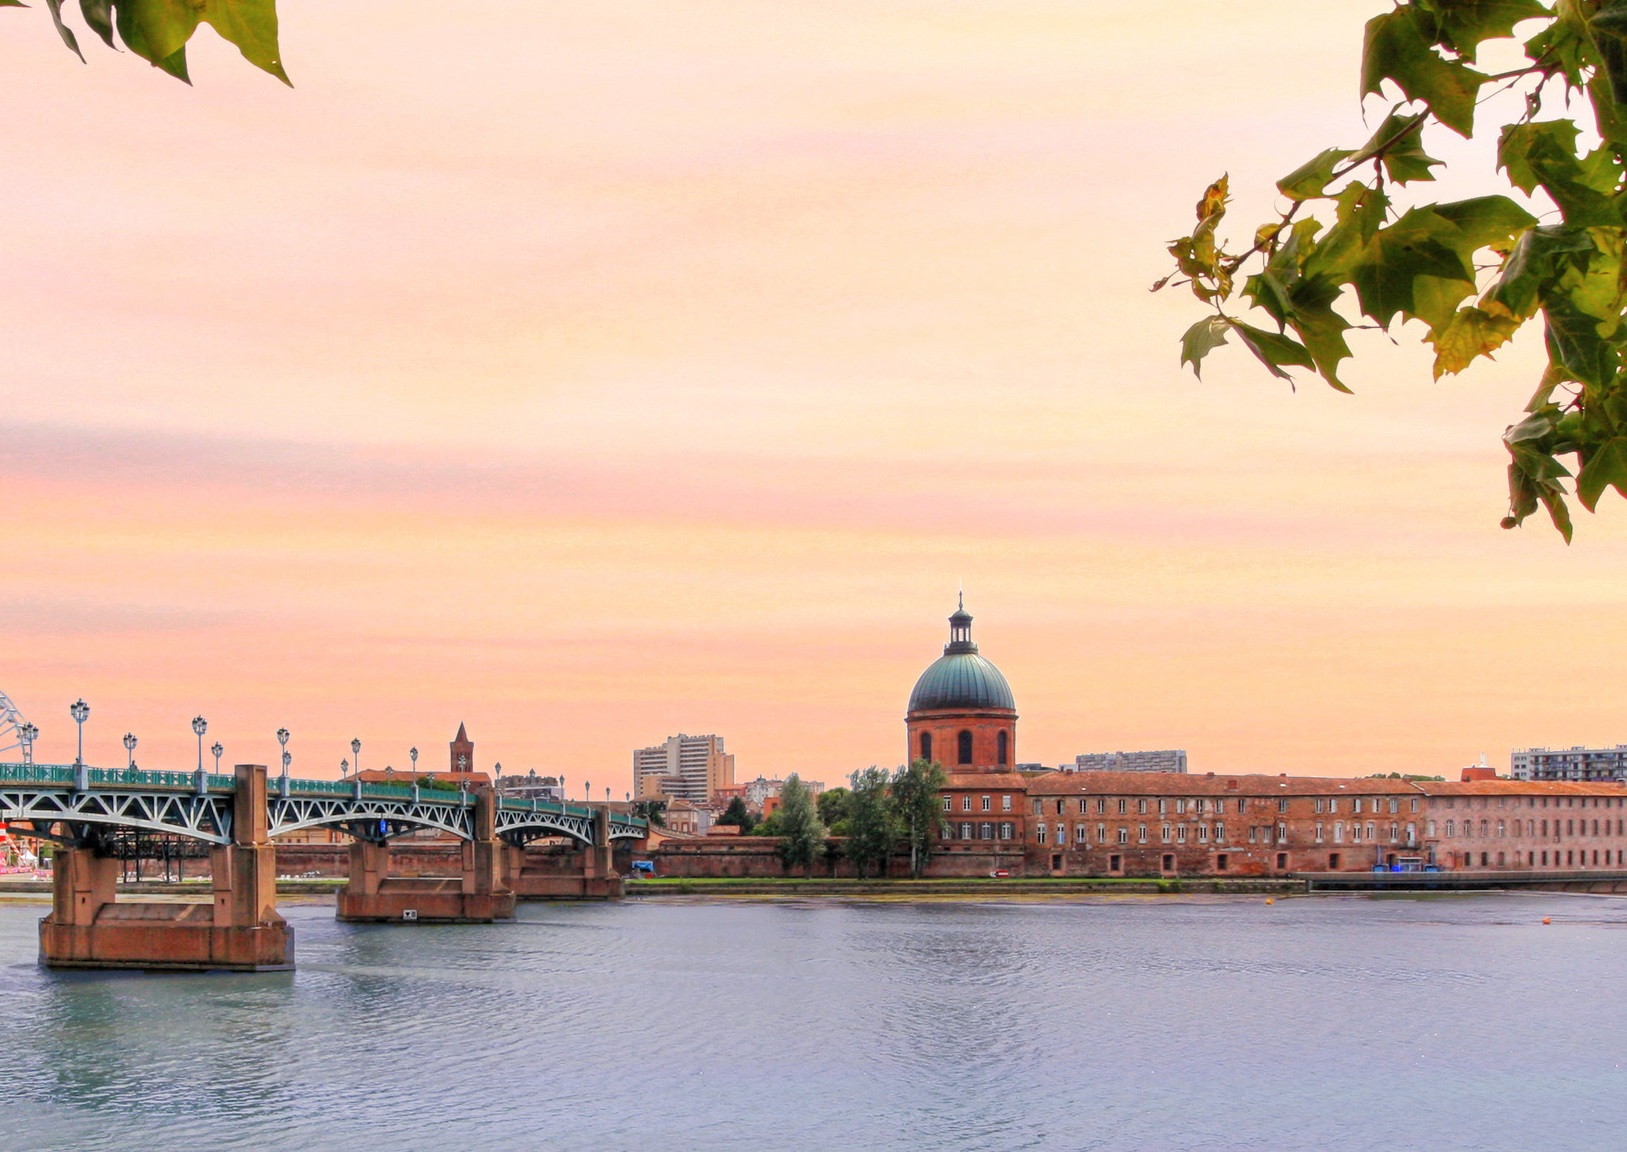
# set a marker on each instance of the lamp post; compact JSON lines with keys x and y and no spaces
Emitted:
{"x":130,"y":751}
{"x":282,"y":738}
{"x":217,"y":750}
{"x":356,"y":751}
{"x":80,"y":711}
{"x":344,"y":769}
{"x":28,"y":732}
{"x":200,"y":726}
{"x":287,"y":757}
{"x":414,"y":755}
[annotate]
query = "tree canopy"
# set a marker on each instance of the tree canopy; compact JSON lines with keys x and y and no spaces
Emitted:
{"x":158,"y":30}
{"x":1472,"y":272}
{"x":799,"y":824}
{"x":916,"y":800}
{"x":872,"y":821}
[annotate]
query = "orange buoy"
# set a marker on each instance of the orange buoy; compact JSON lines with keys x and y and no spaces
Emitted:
{"x":1547,"y":919}
{"x":1269,"y":900}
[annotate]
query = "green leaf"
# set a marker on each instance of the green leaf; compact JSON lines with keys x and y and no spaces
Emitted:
{"x":1420,"y":244}
{"x":1574,"y":341}
{"x":1311,"y":178}
{"x":1273,"y":349}
{"x":1539,"y":256}
{"x":1398,"y":144}
{"x":1604,"y":466}
{"x":1201,"y":339}
{"x":165,"y":25}
{"x":98,"y":15}
{"x":63,"y":30}
{"x":1320,"y":327}
{"x":1463,"y":25}
{"x":1543,"y":154}
{"x":252,"y":26}
{"x":1396,"y":49}
{"x":1470,"y":333}
{"x":130,"y":32}
{"x":1485,"y":221}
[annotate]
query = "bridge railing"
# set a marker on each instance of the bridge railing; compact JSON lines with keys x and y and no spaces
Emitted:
{"x":63,"y":774}
{"x":555,"y":808}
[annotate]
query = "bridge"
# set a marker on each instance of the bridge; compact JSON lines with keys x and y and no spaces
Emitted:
{"x":85,"y":810}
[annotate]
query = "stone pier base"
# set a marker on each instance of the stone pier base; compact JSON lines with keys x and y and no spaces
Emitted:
{"x":478,"y":896}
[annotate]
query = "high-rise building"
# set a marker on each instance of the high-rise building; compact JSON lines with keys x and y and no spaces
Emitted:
{"x":1162,"y":760}
{"x":683,"y":768}
{"x":1569,"y":763}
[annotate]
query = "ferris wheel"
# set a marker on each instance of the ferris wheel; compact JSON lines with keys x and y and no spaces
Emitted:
{"x":15,"y":730}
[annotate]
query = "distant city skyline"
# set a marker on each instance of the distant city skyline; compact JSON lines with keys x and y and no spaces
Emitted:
{"x":588,"y":378}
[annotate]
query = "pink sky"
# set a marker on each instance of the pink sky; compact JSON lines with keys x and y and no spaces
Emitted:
{"x":591,"y":373}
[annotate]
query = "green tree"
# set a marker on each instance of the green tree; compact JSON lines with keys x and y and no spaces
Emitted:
{"x":158,"y":30}
{"x":738,"y":815}
{"x":916,"y":793}
{"x":1473,"y":271}
{"x":799,"y":821}
{"x":655,"y":811}
{"x":833,"y":808}
{"x":872,"y":830}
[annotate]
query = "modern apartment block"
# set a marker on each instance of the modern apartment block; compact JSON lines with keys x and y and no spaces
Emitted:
{"x":1166,"y":760}
{"x":683,"y":768}
{"x":1569,"y":763}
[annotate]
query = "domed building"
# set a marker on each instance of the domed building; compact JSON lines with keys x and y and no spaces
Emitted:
{"x":961,"y":713}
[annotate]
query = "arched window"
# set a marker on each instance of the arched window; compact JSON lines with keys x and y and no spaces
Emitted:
{"x":1002,"y":745}
{"x":926,"y":745}
{"x":965,"y":741}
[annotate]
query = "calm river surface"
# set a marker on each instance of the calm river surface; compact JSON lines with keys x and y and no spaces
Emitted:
{"x":1168,"y":1024}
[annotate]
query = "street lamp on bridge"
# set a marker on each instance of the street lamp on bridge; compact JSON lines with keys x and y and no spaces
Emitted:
{"x":27,"y":733}
{"x":130,"y":751}
{"x":80,"y":711}
{"x":200,"y":726}
{"x":356,"y":751}
{"x":217,"y":750}
{"x":344,"y":769}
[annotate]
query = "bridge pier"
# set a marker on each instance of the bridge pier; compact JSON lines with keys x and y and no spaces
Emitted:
{"x":239,"y":931}
{"x":477,"y":896}
{"x":593,"y":879}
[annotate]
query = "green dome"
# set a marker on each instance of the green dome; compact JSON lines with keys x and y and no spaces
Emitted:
{"x":960,"y":678}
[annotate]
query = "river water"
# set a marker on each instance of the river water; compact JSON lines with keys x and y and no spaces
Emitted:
{"x":1159,"y":1024}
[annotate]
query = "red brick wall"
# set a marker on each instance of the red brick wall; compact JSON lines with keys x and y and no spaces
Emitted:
{"x":946,"y":727}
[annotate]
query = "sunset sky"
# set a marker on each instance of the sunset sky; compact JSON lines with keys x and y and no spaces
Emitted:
{"x":590,"y":373}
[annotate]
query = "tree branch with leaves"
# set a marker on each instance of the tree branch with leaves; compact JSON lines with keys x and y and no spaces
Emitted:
{"x":158,"y":30}
{"x":1341,"y":237}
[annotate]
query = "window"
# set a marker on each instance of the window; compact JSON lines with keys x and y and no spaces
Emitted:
{"x":1039,"y":807}
{"x":1221,"y":862}
{"x":1141,"y":833}
{"x":966,"y":802}
{"x":1430,"y":829}
{"x":1451,"y":826}
{"x":987,"y":803}
{"x":1165,"y":835}
{"x":1002,"y":747}
{"x":985,"y":831}
{"x":1080,"y":834}
{"x":1180,"y":833}
{"x":1282,"y":804}
{"x":1395,"y":805}
{"x":1197,"y":806}
{"x":1242,"y":805}
{"x":1061,"y":834}
{"x":1203,"y":833}
{"x":1333,"y":861}
{"x":1357,"y":803}
{"x":964,"y":741}
{"x":1371,"y":831}
{"x":965,"y":831}
{"x":1319,"y":832}
{"x":1059,"y":804}
{"x":1005,"y":804}
{"x":1220,"y":807}
{"x":1083,"y":803}
{"x":1220,"y":833}
{"x":947,"y":803}
{"x":1124,"y":806}
{"x":1141,"y":806}
{"x":1101,"y":805}
{"x":1101,"y":833}
{"x":1251,"y":832}
{"x":1180,"y":806}
{"x":1169,"y":861}
{"x":1413,"y":804}
{"x":1282,"y":833}
{"x":1338,"y":831}
{"x":1163,"y":806}
{"x":1124,"y":834}
{"x":1333,"y":805}
{"x":1412,"y":833}
{"x":1115,"y":863}
{"x":1395,"y":831}
{"x":1318,"y":805}
{"x":1005,"y":831}
{"x":926,"y":745}
{"x":1039,"y":833}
